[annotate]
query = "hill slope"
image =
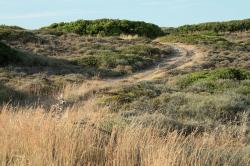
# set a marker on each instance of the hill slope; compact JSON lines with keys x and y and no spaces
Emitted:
{"x":88,"y":98}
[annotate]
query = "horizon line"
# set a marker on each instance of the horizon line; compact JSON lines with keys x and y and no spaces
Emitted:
{"x":162,"y":26}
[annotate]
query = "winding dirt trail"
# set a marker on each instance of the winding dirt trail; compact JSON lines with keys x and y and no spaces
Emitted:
{"x":184,"y":57}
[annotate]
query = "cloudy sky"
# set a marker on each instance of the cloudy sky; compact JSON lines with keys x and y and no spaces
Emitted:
{"x":33,"y":14}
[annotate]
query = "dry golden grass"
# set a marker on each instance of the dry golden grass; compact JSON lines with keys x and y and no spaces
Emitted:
{"x":129,"y":37}
{"x":32,"y":137}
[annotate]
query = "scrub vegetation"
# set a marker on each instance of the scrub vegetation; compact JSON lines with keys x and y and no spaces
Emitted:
{"x":118,"y":92}
{"x":108,"y":27}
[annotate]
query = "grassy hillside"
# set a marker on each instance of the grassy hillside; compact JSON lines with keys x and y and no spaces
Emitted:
{"x":38,"y":64}
{"x":105,"y":92}
{"x":104,"y":55}
{"x":13,"y":57}
{"x":201,"y":98}
{"x":223,"y":47}
{"x":108,"y":27}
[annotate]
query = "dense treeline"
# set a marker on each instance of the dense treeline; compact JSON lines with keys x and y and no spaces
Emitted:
{"x":229,"y":26}
{"x":108,"y":27}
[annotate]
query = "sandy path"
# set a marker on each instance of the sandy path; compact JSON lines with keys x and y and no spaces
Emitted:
{"x":185,"y":56}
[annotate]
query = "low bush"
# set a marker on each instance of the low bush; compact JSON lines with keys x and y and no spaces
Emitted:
{"x":224,"y":73}
{"x":208,"y":39}
{"x":202,"y":38}
{"x":127,"y":57}
{"x":108,"y":27}
{"x":227,"y":26}
{"x":207,"y":97}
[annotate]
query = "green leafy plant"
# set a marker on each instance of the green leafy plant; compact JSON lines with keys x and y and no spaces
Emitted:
{"x":224,"y":73}
{"x":109,"y":27}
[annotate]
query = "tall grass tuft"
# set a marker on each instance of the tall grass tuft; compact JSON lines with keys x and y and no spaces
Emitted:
{"x":31,"y":137}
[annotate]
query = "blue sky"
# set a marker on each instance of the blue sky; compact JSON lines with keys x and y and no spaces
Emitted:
{"x":36,"y":13}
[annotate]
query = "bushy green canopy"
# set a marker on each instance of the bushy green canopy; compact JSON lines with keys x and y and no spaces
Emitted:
{"x":227,"y":26}
{"x":108,"y":27}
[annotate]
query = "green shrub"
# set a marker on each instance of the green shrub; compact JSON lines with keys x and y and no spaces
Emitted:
{"x":90,"y":61}
{"x":210,"y":39}
{"x":203,"y":38}
{"x":108,"y":27}
{"x":135,"y":57}
{"x":220,"y":95}
{"x":204,"y":107}
{"x":227,"y":26}
{"x":185,"y":106}
{"x":224,"y":73}
{"x":231,"y":73}
{"x":118,"y":99}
